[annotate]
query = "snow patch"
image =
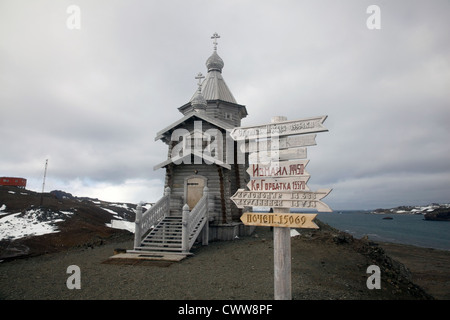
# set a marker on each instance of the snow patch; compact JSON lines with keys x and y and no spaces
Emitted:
{"x":109,"y":210}
{"x":19,"y":225}
{"x":123,"y":205}
{"x":123,"y":225}
{"x":67,"y":213}
{"x":294,"y":233}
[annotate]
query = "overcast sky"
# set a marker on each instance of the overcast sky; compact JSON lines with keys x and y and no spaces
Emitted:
{"x":91,"y":100}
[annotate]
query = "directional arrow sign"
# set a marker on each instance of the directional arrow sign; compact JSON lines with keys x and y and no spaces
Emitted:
{"x":279,"y":184}
{"x":275,"y":219}
{"x":285,"y":128}
{"x":278,"y":169}
{"x":268,"y":156}
{"x":283,"y":143}
{"x":293,"y":199}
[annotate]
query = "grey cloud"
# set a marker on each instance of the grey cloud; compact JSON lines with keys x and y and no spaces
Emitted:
{"x":93,"y":99}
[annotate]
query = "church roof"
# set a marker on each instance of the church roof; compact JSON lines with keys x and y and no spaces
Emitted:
{"x":201,"y":115}
{"x":214,"y":86}
{"x":186,"y":157}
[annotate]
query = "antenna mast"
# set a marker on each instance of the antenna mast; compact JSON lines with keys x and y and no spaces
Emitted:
{"x":43,"y":183}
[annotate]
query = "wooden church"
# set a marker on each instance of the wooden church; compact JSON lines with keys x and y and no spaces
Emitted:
{"x":204,"y":168}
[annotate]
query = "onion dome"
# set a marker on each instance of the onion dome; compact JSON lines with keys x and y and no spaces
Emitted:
{"x":214,"y":86}
{"x":214,"y":62}
{"x":198,"y":102}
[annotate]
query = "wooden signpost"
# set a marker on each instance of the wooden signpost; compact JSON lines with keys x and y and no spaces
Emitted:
{"x":283,"y":143}
{"x":280,"y":128}
{"x":269,"y":156}
{"x":278,"y":219}
{"x":293,"y":199}
{"x":280,"y":169}
{"x":278,"y":180}
{"x":279,"y":184}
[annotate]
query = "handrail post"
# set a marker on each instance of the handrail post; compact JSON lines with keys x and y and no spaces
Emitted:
{"x":206,"y":192}
{"x":205,"y":232}
{"x":185,"y":229}
{"x":137,"y":226}
{"x":167,"y":191}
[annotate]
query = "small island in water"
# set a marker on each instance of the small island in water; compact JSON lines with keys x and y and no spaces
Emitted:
{"x":434,"y":211}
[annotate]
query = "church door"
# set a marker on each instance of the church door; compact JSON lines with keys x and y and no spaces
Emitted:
{"x":194,"y":187}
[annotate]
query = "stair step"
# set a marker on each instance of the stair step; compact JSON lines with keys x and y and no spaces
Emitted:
{"x":169,"y":226}
{"x":160,"y":249}
{"x":161,"y":245}
{"x":166,"y":236}
{"x":168,"y":229}
{"x":165,"y":231}
{"x":160,"y":240}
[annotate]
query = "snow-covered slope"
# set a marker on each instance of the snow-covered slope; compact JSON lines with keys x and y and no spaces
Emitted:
{"x":22,"y":216}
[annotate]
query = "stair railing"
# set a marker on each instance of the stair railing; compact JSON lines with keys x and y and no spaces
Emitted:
{"x":191,"y":219}
{"x":150,"y":218}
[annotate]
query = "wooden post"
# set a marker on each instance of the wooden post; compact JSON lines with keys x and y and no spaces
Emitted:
{"x":205,"y":234}
{"x":282,"y":260}
{"x":205,"y":231}
{"x":137,"y":226}
{"x":185,"y":229}
{"x":282,"y":135}
{"x":167,"y":191}
{"x":167,"y":212}
{"x":281,"y":251}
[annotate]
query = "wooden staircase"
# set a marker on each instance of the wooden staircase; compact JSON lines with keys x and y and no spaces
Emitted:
{"x":161,"y":232}
{"x":166,"y":236}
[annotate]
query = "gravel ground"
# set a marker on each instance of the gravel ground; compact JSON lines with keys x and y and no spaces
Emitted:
{"x":325,"y":265}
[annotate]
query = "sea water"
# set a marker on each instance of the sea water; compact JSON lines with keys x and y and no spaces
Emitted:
{"x":409,"y":229}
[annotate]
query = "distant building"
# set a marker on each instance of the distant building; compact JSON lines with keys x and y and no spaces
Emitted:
{"x":13,"y":181}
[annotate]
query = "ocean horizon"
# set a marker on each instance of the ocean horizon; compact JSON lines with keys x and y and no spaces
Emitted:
{"x":410,"y":229}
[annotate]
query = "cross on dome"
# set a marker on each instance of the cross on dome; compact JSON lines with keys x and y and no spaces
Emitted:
{"x":200,"y":76}
{"x":198,"y":102}
{"x":215,"y":36}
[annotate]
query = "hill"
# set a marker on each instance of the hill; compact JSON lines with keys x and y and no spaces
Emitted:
{"x":63,"y":221}
{"x":434,"y":211}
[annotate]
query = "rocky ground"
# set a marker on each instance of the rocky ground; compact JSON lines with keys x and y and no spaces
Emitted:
{"x":326,"y":264}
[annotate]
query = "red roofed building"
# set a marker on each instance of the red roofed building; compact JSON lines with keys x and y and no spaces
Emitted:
{"x":13,"y":181}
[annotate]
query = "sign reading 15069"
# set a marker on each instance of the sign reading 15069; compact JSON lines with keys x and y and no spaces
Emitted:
{"x":276,"y":219}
